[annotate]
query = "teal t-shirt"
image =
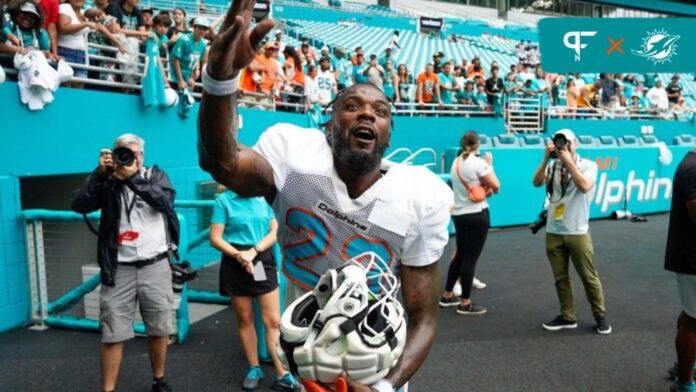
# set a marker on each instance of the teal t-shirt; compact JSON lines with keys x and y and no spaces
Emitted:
{"x":29,"y":38}
{"x":388,"y":84}
{"x":446,"y":95}
{"x":189,"y":52}
{"x":465,"y":97}
{"x":246,"y":219}
{"x":358,"y":75}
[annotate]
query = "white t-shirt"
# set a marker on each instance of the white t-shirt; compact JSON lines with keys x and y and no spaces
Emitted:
{"x":471,"y":170}
{"x":658,"y":97}
{"x":77,"y":40}
{"x":326,"y":81}
{"x":311,"y":90}
{"x":570,"y":214}
{"x":403,"y":217}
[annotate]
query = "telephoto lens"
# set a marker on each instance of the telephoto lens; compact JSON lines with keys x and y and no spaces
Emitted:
{"x":123,"y":156}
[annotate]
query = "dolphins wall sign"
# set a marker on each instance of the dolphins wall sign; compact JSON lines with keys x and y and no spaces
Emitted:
{"x":587,"y":45}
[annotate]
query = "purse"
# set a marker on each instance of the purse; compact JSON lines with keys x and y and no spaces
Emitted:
{"x":477,"y":193}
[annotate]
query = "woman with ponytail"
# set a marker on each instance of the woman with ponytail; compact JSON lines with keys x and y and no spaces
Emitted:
{"x":473,"y":180}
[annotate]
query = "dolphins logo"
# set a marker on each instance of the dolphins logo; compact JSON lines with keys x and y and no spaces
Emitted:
{"x":659,"y":46}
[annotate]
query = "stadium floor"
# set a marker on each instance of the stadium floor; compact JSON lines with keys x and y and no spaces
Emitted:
{"x":504,"y":350}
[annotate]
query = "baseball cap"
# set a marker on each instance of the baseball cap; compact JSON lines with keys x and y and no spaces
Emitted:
{"x":30,"y":8}
{"x":202,"y":22}
{"x":278,"y":32}
{"x":567,"y":133}
{"x":324,"y":48}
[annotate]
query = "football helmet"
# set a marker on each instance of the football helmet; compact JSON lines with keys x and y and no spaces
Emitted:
{"x":350,"y":322}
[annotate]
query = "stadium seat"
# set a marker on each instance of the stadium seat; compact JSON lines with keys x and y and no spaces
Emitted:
{"x":587,"y":141}
{"x":486,"y":142}
{"x":532,"y":141}
{"x":628,"y":140}
{"x":648,"y":140}
{"x":684,"y":140}
{"x":606,"y":141}
{"x":506,"y":141}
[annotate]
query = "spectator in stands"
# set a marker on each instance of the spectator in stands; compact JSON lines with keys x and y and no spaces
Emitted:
{"x":571,"y":97}
{"x":295,"y":73}
{"x":129,"y":18}
{"x":512,"y":85}
{"x":649,"y":80}
{"x":72,"y":37}
{"x":466,"y":95}
{"x":326,"y":54}
{"x":188,"y":54}
{"x":520,"y":52}
{"x":645,"y":102}
{"x":465,"y":67}
{"x":494,"y":88}
{"x":628,"y":87}
{"x":245,"y":230}
{"x":311,"y":53}
{"x":476,"y":70}
{"x":358,"y":52}
{"x":481,"y":98}
{"x":583,"y":102}
{"x":525,"y":74}
{"x":311,"y":88}
{"x":658,"y":96}
{"x":359,"y":70}
{"x":593,"y":91}
{"x":446,"y":79}
{"x":25,"y":31}
{"x":148,"y":15}
{"x":390,"y":80}
{"x":635,"y":105}
{"x":609,"y":87}
{"x":674,"y":90}
{"x":179,"y":28}
{"x":50,"y":22}
{"x":306,"y":56}
{"x":428,"y":91}
{"x":269,"y":66}
{"x":402,"y":86}
{"x":326,"y":81}
{"x":387,"y":56}
{"x":394,"y":42}
{"x":374,"y":72}
{"x":161,"y":25}
{"x":533,"y":56}
{"x":344,"y":70}
{"x":541,"y":86}
{"x":471,"y":220}
{"x":279,"y":41}
{"x":437,"y":62}
{"x":108,"y":29}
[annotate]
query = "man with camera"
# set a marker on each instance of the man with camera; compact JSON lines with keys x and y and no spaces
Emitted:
{"x":569,"y":181}
{"x":137,"y":231}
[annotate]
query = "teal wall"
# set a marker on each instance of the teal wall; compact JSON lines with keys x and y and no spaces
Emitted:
{"x":663,"y":130}
{"x":66,"y":137}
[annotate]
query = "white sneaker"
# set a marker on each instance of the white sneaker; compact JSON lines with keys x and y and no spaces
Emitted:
{"x":457,"y":290}
{"x":477,"y":284}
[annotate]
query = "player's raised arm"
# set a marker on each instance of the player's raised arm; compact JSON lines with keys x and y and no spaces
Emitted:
{"x":231,"y":164}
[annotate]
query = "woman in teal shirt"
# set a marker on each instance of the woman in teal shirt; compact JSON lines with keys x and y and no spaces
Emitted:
{"x":244,"y":230}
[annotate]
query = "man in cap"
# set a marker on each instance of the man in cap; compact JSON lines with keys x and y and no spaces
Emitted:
{"x":189,"y":52}
{"x":570,"y":181}
{"x":279,"y":40}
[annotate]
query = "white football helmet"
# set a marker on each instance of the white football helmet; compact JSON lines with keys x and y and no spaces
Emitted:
{"x":350,"y":322}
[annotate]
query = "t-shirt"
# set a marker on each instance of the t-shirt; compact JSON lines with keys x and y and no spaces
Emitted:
{"x":429,"y":83}
{"x":388,"y":84}
{"x":674,"y":89}
{"x":247,"y":219}
{"x":374,"y":76}
{"x":570,"y":214}
{"x":446,"y":80}
{"x":495,"y":86}
{"x":680,"y":255}
{"x":358,"y":73}
{"x":470,"y":170}
{"x":311,"y":89}
{"x":609,"y":88}
{"x":29,"y":38}
{"x":76,"y":40}
{"x":189,"y":53}
{"x":465,"y":97}
{"x":326,"y":83}
{"x":344,"y":69}
{"x":127,"y":20}
{"x":403,"y":217}
{"x":269,"y":74}
{"x":50,"y":10}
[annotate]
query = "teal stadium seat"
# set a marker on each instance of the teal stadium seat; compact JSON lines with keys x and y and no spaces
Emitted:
{"x":587,"y":141}
{"x":628,"y":141}
{"x":486,"y":142}
{"x":532,"y":141}
{"x":648,"y":140}
{"x":506,"y":141}
{"x":607,"y":141}
{"x":684,"y":140}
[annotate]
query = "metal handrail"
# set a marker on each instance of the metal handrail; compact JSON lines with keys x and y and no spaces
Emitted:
{"x":412,"y":157}
{"x":398,"y":151}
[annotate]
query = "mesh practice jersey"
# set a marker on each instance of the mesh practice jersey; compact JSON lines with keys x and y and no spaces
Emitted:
{"x":403,"y":217}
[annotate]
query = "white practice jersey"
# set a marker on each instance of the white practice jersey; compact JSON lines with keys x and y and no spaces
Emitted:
{"x":403,"y":217}
{"x":326,"y":82}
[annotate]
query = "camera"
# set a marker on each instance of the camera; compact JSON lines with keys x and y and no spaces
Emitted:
{"x":561,"y":143}
{"x":123,"y":156}
{"x":182,"y":273}
{"x":539,"y":223}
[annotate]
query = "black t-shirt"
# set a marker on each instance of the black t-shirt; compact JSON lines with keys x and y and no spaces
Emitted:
{"x":127,"y":20}
{"x":494,"y":86}
{"x":672,"y":89}
{"x":680,"y":255}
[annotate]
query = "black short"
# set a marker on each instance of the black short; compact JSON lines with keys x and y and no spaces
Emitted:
{"x":235,"y":281}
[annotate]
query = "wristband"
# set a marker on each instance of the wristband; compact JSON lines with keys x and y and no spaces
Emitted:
{"x":383,"y":385}
{"x":219,"y":87}
{"x":257,"y":249}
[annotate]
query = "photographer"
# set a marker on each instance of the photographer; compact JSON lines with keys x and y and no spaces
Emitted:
{"x":136,"y":227}
{"x":569,"y":181}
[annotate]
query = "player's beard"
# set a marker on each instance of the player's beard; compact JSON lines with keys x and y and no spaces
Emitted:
{"x":360,"y":162}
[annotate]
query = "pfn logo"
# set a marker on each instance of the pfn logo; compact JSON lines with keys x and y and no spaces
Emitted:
{"x":576,"y":43}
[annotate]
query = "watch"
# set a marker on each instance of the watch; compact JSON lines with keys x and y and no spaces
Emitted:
{"x":256,"y":248}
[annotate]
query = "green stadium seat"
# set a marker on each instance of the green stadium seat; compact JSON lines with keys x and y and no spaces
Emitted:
{"x":628,"y":140}
{"x":607,"y":141}
{"x":506,"y":141}
{"x":684,"y":140}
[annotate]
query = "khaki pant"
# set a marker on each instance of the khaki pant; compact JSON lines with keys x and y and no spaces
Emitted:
{"x":579,"y":249}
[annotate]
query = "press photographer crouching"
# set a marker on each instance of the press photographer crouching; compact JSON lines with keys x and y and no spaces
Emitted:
{"x":138,"y":230}
{"x":570,"y":181}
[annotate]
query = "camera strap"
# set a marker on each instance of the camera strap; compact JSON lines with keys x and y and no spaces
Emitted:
{"x":565,"y":182}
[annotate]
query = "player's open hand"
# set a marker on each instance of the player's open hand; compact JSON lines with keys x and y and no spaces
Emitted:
{"x":235,"y":46}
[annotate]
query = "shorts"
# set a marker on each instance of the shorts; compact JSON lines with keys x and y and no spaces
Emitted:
{"x":151,"y":287}
{"x":235,"y":281}
{"x":74,"y":56}
{"x":687,"y":293}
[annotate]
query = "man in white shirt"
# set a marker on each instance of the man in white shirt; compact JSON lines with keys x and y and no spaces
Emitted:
{"x":569,"y":181}
{"x":658,"y":96}
{"x":333,"y":195}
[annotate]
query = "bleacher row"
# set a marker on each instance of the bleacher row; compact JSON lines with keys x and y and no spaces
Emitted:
{"x":586,"y":141}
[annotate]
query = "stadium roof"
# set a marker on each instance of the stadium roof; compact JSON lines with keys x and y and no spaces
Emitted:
{"x":658,"y":6}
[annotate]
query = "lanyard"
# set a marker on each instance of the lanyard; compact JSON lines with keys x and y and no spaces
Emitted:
{"x":129,"y":208}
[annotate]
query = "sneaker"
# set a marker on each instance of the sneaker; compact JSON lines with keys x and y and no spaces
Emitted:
{"x":448,"y":302}
{"x":252,"y":378}
{"x":603,"y":327}
{"x":676,"y":387}
{"x":559,"y":323}
{"x":286,"y":383}
{"x":674,"y":371}
{"x":161,"y":386}
{"x":477,"y":284}
{"x":471,"y":308}
{"x":457,"y":290}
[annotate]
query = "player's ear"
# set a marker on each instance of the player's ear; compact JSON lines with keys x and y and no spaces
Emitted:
{"x":328,"y":130}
